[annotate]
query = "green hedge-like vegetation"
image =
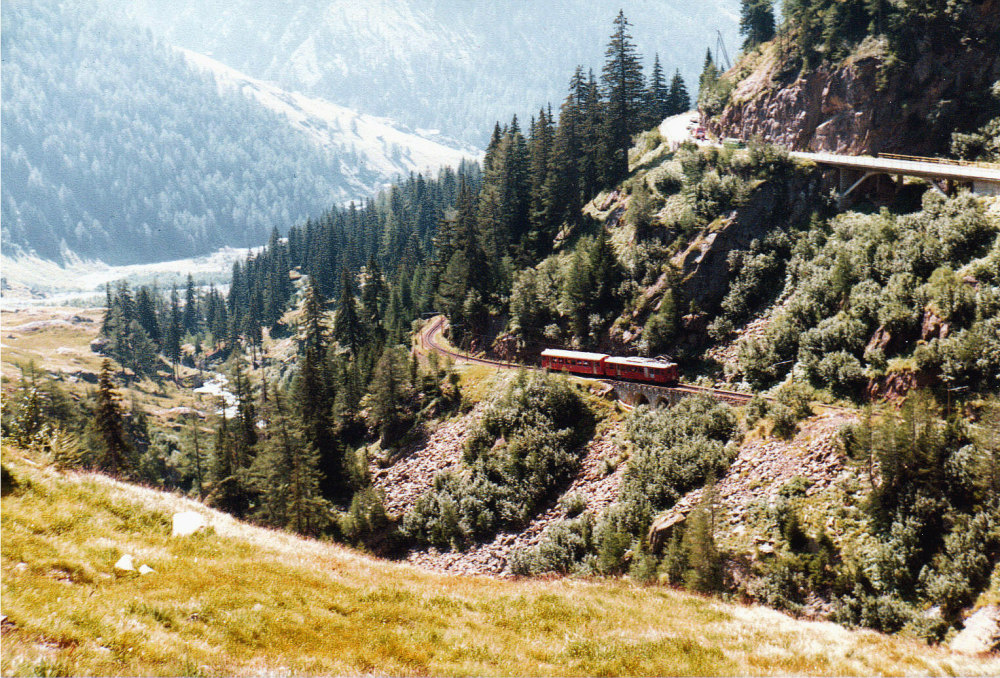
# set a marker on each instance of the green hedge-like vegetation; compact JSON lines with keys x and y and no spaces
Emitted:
{"x":526,"y":445}
{"x":672,"y":452}
{"x":874,"y":292}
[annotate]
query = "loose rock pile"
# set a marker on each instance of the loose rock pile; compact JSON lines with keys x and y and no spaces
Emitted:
{"x":407,"y":479}
{"x":597,"y":489}
{"x":763,"y":467}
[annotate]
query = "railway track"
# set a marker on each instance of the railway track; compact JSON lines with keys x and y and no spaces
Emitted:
{"x":428,"y":339}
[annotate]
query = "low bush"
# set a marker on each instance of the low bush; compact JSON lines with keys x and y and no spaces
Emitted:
{"x":673,"y":451}
{"x":565,"y":547}
{"x":526,"y":444}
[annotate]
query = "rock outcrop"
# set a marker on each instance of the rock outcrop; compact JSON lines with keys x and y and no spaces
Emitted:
{"x":870,"y":102}
{"x":981,"y":633}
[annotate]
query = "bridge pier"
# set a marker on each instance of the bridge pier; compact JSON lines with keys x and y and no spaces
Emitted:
{"x":635,"y":394}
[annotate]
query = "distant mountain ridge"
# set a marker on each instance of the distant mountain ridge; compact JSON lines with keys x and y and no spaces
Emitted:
{"x":446,"y":64}
{"x":373,"y":143}
{"x":116,"y":148}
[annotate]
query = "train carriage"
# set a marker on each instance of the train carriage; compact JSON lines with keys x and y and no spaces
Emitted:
{"x":576,"y":362}
{"x":641,"y":369}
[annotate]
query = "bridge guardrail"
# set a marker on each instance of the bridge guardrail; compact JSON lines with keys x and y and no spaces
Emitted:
{"x":940,"y":161}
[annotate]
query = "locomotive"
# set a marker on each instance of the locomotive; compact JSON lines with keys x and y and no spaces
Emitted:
{"x":604,"y":365}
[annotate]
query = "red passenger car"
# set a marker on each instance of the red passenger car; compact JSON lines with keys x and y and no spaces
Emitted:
{"x":642,"y":369}
{"x":577,"y":362}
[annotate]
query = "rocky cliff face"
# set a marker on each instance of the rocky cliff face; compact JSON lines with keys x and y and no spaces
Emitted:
{"x":867,"y":105}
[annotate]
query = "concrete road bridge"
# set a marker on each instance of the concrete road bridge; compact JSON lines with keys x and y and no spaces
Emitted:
{"x":857,"y":171}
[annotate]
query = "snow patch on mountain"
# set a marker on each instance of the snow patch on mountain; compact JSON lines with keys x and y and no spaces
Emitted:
{"x":305,"y":65}
{"x":367,"y":142}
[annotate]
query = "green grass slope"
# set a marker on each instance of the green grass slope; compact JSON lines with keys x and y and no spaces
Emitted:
{"x":238,"y":600}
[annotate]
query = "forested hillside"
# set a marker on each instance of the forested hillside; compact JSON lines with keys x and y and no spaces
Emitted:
{"x":114,"y":148}
{"x":861,"y":472}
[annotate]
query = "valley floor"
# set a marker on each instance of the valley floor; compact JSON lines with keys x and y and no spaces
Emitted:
{"x":239,"y":600}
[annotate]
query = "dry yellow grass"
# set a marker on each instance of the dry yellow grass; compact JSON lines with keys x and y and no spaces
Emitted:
{"x":243,"y":600}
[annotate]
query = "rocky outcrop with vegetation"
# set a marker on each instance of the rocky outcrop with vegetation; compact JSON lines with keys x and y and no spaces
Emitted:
{"x":877,"y":96}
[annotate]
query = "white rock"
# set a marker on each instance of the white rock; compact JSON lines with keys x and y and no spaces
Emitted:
{"x":188,"y":522}
{"x":125,"y":564}
{"x":981,"y":633}
{"x":146,"y":569}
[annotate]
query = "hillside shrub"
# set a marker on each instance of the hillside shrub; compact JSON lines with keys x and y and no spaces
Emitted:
{"x":523,"y":448}
{"x":932,"y":520}
{"x":886,"y":272}
{"x":673,"y":451}
{"x":564,"y":548}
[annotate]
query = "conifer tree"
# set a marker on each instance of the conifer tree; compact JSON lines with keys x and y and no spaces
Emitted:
{"x":174,"y":330}
{"x":389,"y":396}
{"x":314,"y":392}
{"x":109,"y":425}
{"x":347,"y":328}
{"x":658,"y":102}
{"x":756,"y":22}
{"x":679,"y":100}
{"x":592,"y":158}
{"x":245,"y":430}
{"x":108,"y":310}
{"x":287,"y":477}
{"x":604,"y":271}
{"x":709,"y":74}
{"x":373,"y":294}
{"x":191,"y":315}
{"x":561,"y":193}
{"x":624,"y":92}
{"x":540,"y":152}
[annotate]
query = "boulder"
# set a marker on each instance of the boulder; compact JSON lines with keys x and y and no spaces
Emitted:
{"x":146,"y":569}
{"x":981,"y":633}
{"x":187,"y":522}
{"x":125,"y":564}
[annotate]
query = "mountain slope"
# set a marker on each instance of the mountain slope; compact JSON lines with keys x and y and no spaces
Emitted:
{"x":115,"y":148}
{"x":446,"y":64}
{"x":236,"y":599}
{"x":372,"y":143}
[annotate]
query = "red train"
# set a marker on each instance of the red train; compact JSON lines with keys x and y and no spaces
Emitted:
{"x":604,"y":365}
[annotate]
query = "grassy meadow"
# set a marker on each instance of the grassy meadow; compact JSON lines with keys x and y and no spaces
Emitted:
{"x":238,"y":600}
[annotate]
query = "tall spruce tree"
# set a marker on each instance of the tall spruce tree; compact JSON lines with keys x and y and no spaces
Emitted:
{"x":756,"y":22}
{"x":709,"y":73}
{"x":191,"y":318}
{"x":679,"y":100}
{"x":110,"y":427}
{"x":658,"y":102}
{"x":348,"y":330}
{"x":624,"y":93}
{"x":314,"y":391}
{"x":145,"y":313}
{"x":288,"y":478}
{"x":174,"y":330}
